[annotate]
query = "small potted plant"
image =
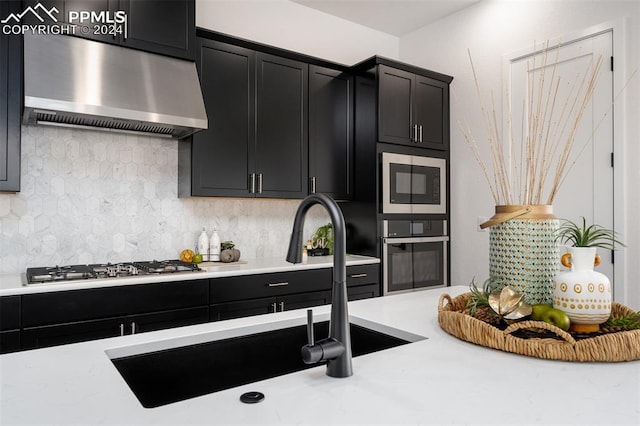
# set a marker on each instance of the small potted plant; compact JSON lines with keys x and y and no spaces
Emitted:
{"x":584,"y":294}
{"x":591,"y":236}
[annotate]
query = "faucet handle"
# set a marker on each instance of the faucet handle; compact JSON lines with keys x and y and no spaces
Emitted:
{"x":311,"y":353}
{"x":310,"y":339}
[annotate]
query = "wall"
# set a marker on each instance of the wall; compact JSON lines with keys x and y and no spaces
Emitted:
{"x":491,"y":29}
{"x":295,"y":27}
{"x":92,"y":197}
{"x":89,"y":196}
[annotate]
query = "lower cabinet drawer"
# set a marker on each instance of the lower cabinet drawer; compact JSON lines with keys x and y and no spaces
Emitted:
{"x":363,"y":274}
{"x":231,"y":289}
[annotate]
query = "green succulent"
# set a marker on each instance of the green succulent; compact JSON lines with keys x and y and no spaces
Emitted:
{"x":586,"y":236}
{"x":627,"y":322}
{"x":480,"y":297}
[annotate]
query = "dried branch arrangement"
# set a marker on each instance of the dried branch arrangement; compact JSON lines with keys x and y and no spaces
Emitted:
{"x":530,"y":170}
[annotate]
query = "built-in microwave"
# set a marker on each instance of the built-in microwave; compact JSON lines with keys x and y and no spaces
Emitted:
{"x":413,"y":184}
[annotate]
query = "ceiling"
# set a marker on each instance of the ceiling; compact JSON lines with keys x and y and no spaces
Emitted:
{"x":395,"y":17}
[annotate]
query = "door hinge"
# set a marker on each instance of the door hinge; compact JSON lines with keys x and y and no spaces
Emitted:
{"x":612,"y":63}
{"x":613,"y":256}
{"x":612,"y":159}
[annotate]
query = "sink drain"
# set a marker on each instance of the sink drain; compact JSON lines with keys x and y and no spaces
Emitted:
{"x":251,"y":397}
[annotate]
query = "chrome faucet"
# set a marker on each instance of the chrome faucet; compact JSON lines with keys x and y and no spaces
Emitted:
{"x":335,"y":349}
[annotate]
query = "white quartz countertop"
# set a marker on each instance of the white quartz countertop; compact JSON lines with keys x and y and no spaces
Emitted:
{"x":14,"y":284}
{"x":441,"y":380}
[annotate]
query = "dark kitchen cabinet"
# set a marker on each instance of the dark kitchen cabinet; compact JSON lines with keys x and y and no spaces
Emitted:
{"x":256,"y":144}
{"x":52,"y":335}
{"x":220,"y":160}
{"x":72,"y":316}
{"x":39,"y":320}
{"x":242,"y":296}
{"x":331,"y":132}
{"x":246,"y":295}
{"x":281,"y":127}
{"x":166,"y":27}
{"x":267,"y":305}
{"x":412,"y":109}
{"x":9,"y":324}
{"x":363,"y":281}
{"x":10,"y":103}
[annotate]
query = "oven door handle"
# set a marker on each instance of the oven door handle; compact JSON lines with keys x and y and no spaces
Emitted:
{"x":414,"y":240}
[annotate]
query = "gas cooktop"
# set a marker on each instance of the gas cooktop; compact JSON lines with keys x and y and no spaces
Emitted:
{"x":57,"y":274}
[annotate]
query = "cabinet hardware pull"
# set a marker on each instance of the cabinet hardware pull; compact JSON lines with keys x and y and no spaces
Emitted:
{"x":259,"y":183}
{"x":281,"y":284}
{"x":273,"y":307}
{"x":252,"y":180}
{"x":133,"y":327}
{"x":313,"y":185}
{"x":122,"y":329}
{"x":420,"y":135}
{"x":281,"y":306}
{"x":357,"y":276}
{"x":415,"y":133}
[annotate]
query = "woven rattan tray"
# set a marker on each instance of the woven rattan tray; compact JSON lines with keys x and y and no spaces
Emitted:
{"x":608,"y":347}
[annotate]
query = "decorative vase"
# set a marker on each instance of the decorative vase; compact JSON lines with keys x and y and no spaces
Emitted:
{"x":584,"y":294}
{"x":523,"y":251}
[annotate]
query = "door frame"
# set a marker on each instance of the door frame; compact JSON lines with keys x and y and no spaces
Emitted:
{"x":621,"y":74}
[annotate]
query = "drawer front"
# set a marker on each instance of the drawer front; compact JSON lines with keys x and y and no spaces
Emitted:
{"x":363,"y":274}
{"x":9,"y":341}
{"x":363,"y":292}
{"x":80,"y":305}
{"x":9,"y":313}
{"x":244,"y":308}
{"x":231,"y":289}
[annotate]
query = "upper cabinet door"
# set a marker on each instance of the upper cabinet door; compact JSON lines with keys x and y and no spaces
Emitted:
{"x":10,"y":104}
{"x":413,"y":109}
{"x":331,"y":132}
{"x":281,"y":127}
{"x":395,"y":105}
{"x":431,"y":113}
{"x":222,"y":156}
{"x":166,"y":27}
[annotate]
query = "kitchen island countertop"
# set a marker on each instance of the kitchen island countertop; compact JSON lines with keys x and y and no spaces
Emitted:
{"x":15,"y":284}
{"x":441,"y":380}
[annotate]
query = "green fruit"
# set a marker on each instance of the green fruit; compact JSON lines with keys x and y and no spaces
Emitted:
{"x":538,"y":309}
{"x":556,"y":317}
{"x":197,"y":258}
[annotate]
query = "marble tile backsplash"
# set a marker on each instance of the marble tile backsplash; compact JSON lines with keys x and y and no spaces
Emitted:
{"x":92,"y":196}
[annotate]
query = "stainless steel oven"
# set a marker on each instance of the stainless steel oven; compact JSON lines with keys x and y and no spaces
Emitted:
{"x":413,"y":184}
{"x":414,"y":255}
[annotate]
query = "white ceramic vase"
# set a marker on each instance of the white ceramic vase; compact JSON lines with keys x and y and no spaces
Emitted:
{"x":584,"y":294}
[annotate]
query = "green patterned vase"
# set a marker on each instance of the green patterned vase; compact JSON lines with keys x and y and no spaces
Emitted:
{"x":523,"y":252}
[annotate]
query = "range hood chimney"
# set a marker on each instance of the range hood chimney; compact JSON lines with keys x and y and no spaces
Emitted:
{"x":70,"y":81}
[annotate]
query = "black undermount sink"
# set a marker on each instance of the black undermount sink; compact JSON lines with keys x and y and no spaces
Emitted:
{"x":175,"y":374}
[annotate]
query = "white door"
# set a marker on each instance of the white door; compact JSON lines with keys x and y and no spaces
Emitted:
{"x":588,"y":188}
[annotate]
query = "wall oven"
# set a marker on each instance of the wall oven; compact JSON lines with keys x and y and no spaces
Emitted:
{"x":413,"y":184}
{"x":414,"y":255}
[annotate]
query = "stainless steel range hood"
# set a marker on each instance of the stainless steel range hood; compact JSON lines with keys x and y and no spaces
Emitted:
{"x":71,"y":81}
